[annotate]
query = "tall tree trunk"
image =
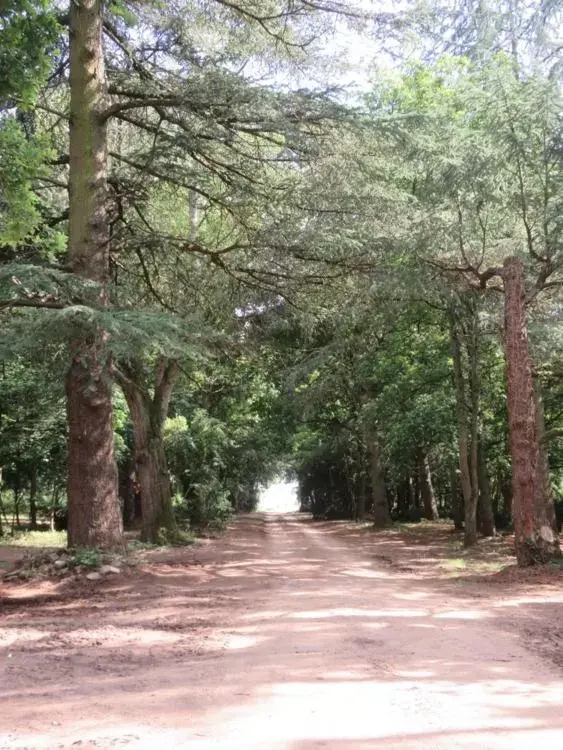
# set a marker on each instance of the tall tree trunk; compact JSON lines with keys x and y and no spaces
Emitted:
{"x":403,"y":500}
{"x":416,"y":494}
{"x":126,"y":484}
{"x":33,"y":497}
{"x":363,"y":503}
{"x":474,"y":390}
{"x":148,"y":415}
{"x":381,"y":516}
{"x":536,"y":541}
{"x":469,"y":497}
{"x":411,"y":494}
{"x":16,"y":511}
{"x":94,"y":518}
{"x":157,"y":517}
{"x":426,"y":487}
{"x":506,"y":492}
{"x":485,"y":514}
{"x":456,"y":500}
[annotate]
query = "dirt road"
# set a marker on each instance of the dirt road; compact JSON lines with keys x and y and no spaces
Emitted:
{"x":283,"y":635}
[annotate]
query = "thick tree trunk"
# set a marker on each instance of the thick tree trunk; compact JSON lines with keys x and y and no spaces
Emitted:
{"x":535,"y":539}
{"x":94,"y":518}
{"x":148,"y":415}
{"x":381,"y":515}
{"x":426,"y":488}
{"x":485,"y":514}
{"x":157,"y":517}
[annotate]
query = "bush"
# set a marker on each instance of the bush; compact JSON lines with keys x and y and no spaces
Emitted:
{"x":207,"y":506}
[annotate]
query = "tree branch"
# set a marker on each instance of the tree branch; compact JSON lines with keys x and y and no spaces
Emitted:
{"x":37,"y":303}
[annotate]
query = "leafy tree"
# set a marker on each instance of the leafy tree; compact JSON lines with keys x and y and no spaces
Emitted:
{"x":148,"y":114}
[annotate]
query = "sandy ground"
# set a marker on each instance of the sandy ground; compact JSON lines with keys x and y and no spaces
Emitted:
{"x":286,"y":634}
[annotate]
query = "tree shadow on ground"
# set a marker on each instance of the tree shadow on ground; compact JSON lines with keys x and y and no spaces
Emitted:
{"x":300,"y":624}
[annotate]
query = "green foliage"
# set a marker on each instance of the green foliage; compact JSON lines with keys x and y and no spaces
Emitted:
{"x":196,"y":454}
{"x":29,"y":31}
{"x":86,"y":558}
{"x":32,"y":431}
{"x":21,"y":161}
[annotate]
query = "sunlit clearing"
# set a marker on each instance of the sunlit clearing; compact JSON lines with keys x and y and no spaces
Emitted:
{"x":279,"y":497}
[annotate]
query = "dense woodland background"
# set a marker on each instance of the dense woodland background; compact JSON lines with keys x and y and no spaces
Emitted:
{"x":216,"y":265}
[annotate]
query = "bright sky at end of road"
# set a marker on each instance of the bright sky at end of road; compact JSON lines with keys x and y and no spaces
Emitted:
{"x":279,"y":497}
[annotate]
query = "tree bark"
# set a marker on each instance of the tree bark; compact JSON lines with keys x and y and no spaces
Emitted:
{"x":506,"y":492}
{"x":469,"y":498}
{"x":126,"y":485}
{"x":474,"y":389}
{"x":16,"y":511}
{"x":535,"y":540}
{"x":456,"y":500}
{"x":403,"y":500}
{"x":485,"y":514}
{"x":148,"y":415}
{"x":426,"y":488}
{"x":411,"y":493}
{"x":94,"y":518}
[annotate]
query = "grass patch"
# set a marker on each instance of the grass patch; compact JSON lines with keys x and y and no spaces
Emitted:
{"x":455,"y":564}
{"x":474,"y":566}
{"x":37,"y":539}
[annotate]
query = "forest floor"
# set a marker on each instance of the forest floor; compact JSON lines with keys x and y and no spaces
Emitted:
{"x":288,"y":634}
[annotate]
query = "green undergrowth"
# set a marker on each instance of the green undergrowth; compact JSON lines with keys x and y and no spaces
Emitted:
{"x":58,"y":539}
{"x":475,"y":566}
{"x":488,"y":556}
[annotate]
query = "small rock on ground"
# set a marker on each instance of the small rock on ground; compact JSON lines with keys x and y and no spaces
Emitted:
{"x":108,"y":569}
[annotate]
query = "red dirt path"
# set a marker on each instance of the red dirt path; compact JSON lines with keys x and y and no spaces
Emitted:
{"x":286,"y":635}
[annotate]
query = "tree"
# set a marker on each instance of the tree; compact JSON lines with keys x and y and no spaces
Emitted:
{"x":94,"y":519}
{"x":464,"y":205}
{"x":148,"y":414}
{"x":203,"y":132}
